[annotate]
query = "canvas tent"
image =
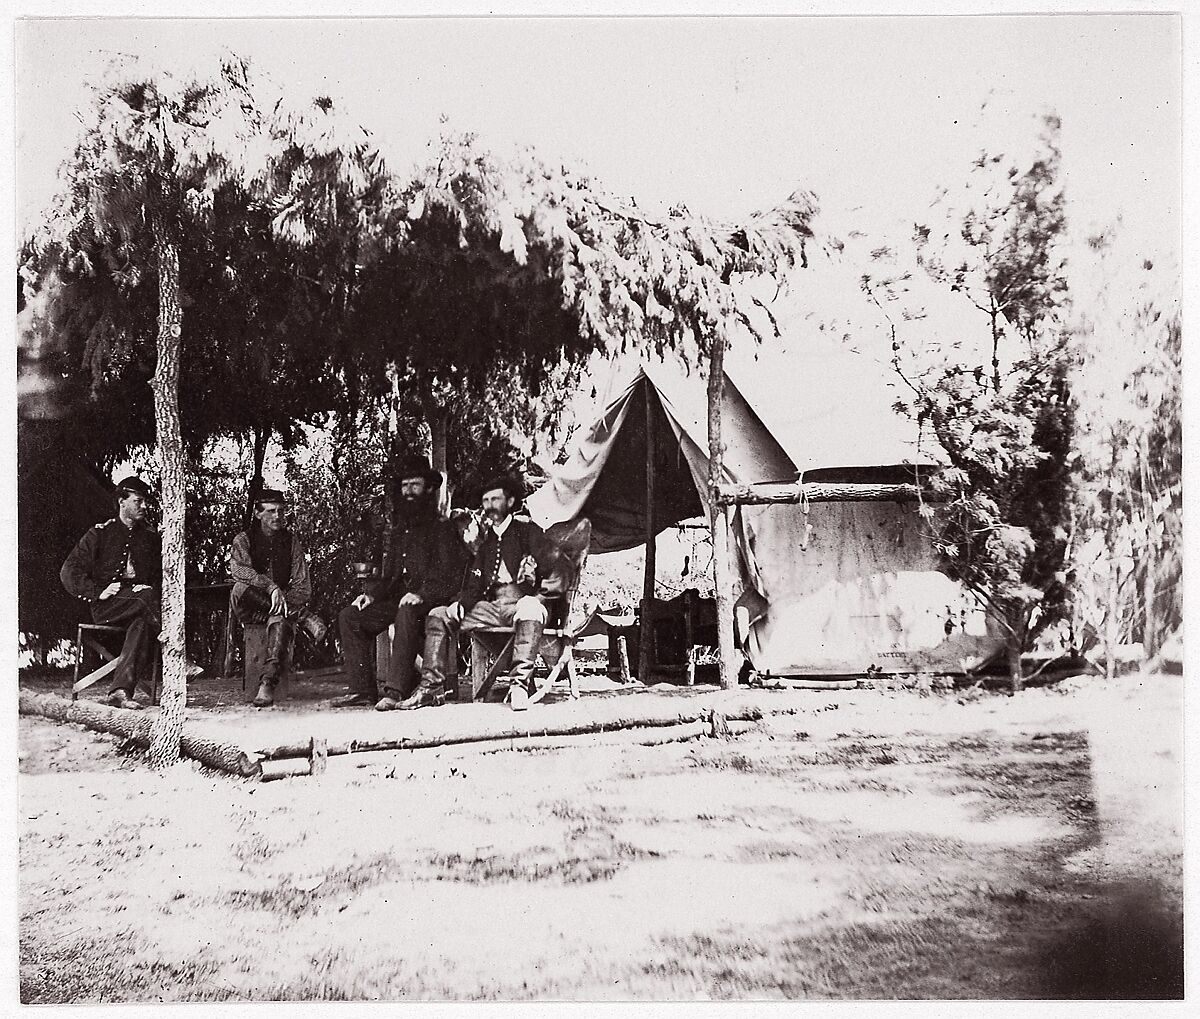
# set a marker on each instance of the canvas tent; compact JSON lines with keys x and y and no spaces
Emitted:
{"x":847,"y":585}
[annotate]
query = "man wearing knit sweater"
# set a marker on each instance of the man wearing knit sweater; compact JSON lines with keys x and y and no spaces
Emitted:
{"x":271,"y":585}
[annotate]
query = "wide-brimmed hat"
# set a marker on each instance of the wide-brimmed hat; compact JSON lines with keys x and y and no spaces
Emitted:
{"x":134,"y":485}
{"x":271,"y":495}
{"x":413,"y":466}
{"x":513,"y":487}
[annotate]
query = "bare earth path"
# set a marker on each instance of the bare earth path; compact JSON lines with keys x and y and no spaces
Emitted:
{"x":872,"y":845}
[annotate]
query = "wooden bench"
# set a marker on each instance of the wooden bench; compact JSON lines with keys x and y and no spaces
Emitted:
{"x":491,"y":646}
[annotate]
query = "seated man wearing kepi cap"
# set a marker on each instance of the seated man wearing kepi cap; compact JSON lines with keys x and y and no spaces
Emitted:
{"x":425,"y":566}
{"x":117,"y":568}
{"x":504,"y":586}
{"x":271,"y":585}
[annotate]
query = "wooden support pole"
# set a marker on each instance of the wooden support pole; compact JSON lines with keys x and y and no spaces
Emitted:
{"x":722,"y":566}
{"x":318,"y":755}
{"x":689,"y":637}
{"x":766,"y":493}
{"x":646,"y":654}
{"x":623,"y":660}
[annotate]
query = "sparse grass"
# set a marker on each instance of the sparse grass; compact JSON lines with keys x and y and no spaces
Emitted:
{"x":296,"y":898}
{"x":905,"y":885}
{"x":588,"y":854}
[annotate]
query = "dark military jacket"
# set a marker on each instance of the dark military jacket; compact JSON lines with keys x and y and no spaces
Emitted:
{"x":100,"y":558}
{"x":523,"y":539}
{"x":427,"y":559}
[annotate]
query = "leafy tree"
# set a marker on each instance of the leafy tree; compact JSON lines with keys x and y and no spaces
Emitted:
{"x":480,"y":277}
{"x":262,"y":318}
{"x":1006,"y":425}
{"x":622,"y":279}
{"x":504,"y":270}
{"x":1127,"y":537}
{"x":146,"y":176}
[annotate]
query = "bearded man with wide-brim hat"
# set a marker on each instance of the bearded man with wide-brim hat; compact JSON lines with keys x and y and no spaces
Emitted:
{"x":271,"y":586}
{"x":424,"y":567}
{"x":509,"y":582}
{"x":117,"y":569}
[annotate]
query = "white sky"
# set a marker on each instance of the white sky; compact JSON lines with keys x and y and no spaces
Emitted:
{"x":726,"y":115}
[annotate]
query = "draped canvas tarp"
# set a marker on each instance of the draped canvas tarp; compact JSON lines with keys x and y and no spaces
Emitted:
{"x":847,"y":585}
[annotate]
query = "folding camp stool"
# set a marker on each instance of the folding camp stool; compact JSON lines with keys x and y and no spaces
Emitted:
{"x":491,"y":654}
{"x":87,"y":636}
{"x":491,"y":646}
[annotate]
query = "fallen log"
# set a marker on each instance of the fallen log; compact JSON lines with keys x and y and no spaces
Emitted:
{"x":289,"y":751}
{"x":294,"y":767}
{"x":612,"y":738}
{"x":135,"y":727}
{"x":800,"y":683}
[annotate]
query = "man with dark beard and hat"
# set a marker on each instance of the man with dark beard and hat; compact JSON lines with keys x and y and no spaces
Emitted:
{"x":506,"y":585}
{"x":271,"y":586}
{"x":117,"y":569}
{"x":425,"y":566}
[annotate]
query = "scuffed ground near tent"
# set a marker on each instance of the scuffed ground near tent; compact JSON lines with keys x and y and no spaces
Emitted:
{"x":873,"y":845}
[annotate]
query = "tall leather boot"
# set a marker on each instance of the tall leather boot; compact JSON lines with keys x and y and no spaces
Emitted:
{"x":430,"y":691}
{"x":278,"y":634}
{"x":527,"y":634}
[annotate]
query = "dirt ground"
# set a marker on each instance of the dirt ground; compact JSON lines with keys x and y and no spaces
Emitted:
{"x":870,"y":845}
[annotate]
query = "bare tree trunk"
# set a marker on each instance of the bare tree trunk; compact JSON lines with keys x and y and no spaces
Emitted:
{"x":995,"y":315}
{"x":437,"y":421}
{"x":168,"y":728}
{"x":261,"y":438}
{"x":1112,"y":617}
{"x":437,"y":446}
{"x":389,"y":477}
{"x":1111,"y":635}
{"x":722,"y":568}
{"x":1016,"y":673}
{"x":1151,"y":638}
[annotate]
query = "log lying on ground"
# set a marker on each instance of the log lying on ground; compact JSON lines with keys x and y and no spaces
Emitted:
{"x":716,"y":726}
{"x":135,"y":727}
{"x":514,"y":732}
{"x":612,"y":738}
